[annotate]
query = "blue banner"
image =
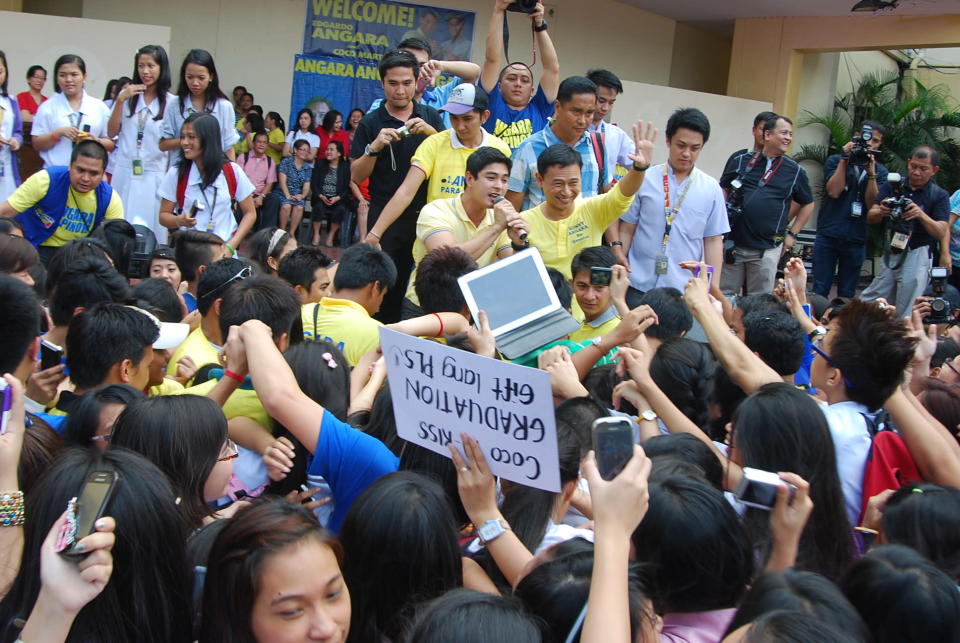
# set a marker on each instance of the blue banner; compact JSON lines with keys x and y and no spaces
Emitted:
{"x":363,"y":30}
{"x":321,"y":84}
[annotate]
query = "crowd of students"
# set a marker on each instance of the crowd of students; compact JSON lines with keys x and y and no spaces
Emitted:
{"x":228,"y":381}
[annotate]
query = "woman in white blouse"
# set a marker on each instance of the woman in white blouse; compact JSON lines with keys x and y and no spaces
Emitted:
{"x":196,"y":193}
{"x":70,"y":116}
{"x":138,"y":162}
{"x":199,"y":91}
{"x":303,"y":131}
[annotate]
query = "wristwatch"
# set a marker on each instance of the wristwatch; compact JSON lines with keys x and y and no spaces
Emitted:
{"x":637,"y":168}
{"x":616,"y":243}
{"x":819,"y":331}
{"x":541,"y":27}
{"x":649,"y":415}
{"x":596,"y":341}
{"x":491,"y":530}
{"x":368,"y":151}
{"x":790,"y":233}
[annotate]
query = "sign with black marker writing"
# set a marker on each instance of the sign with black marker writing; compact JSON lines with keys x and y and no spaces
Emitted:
{"x":440,"y":392}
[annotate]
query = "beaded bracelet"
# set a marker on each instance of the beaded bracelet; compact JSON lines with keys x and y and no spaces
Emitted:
{"x":11,"y":509}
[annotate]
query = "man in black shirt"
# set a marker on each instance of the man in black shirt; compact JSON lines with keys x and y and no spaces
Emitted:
{"x":904,"y":275}
{"x":385,"y":141}
{"x":774,"y":197}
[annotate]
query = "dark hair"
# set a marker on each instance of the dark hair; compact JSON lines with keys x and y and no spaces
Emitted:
{"x":559,"y":155}
{"x":872,"y":351}
{"x":217,"y":279}
{"x":467,"y":616}
{"x":592,"y":257}
{"x":727,"y":396}
{"x":300,"y":142}
{"x":947,"y":348}
{"x":926,"y":152}
{"x":761,"y":301}
{"x":876,"y":126}
{"x":575,"y":86}
{"x":255,"y":121}
{"x":561,"y":286}
{"x":577,"y":415}
{"x":400,"y":545}
{"x":785,"y":626}
{"x":689,"y":118}
{"x":296,"y":125}
{"x":164,"y":81}
{"x":68,"y":254}
{"x":398,"y":58}
{"x":942,"y":400}
{"x":237,"y":558}
{"x":763,"y":117}
{"x":684,"y":370}
{"x":111,"y":86}
{"x":81,"y":425}
{"x":416,"y":43}
{"x":183,"y":435}
{"x":40,"y":450}
{"x":771,"y":123}
{"x":383,"y":424}
{"x":104,"y":335}
{"x":299,"y":267}
{"x":67,"y":59}
{"x":149,"y":556}
{"x":699,"y":554}
{"x":329,"y":119}
{"x":440,"y":468}
{"x":799,"y":591}
{"x":780,"y":428}
{"x":194,"y":248}
{"x":260,"y":247}
{"x":688,"y":448}
{"x":336,"y":144}
{"x":85,"y":282}
{"x":207,"y":129}
{"x":605,"y":78}
{"x":903,"y":597}
{"x":121,"y":238}
{"x":600,"y":382}
{"x":347,"y":125}
{"x":673,"y":315}
{"x":19,"y":322}
{"x":777,"y":338}
{"x":34,"y":69}
{"x":6,"y":77}
{"x":926,"y":517}
{"x":269,"y":299}
{"x":436,"y":283}
{"x":16,"y":254}
{"x":278,"y":119}
{"x":159,"y":293}
{"x":478,"y":161}
{"x":90,"y":149}
{"x":203,"y":58}
{"x":362,"y":264}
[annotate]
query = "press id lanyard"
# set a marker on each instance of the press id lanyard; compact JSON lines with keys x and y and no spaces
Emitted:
{"x":141,"y":124}
{"x":210,"y":208}
{"x":671,"y":215}
{"x":769,"y":174}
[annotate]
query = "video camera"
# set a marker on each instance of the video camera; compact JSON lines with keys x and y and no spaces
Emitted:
{"x":861,"y":153}
{"x":899,"y":227}
{"x":523,"y":6}
{"x":939,"y":305}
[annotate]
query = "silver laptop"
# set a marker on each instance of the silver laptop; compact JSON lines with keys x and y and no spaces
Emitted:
{"x":520,"y":301}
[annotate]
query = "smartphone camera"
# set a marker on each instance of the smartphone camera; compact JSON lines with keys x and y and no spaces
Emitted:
{"x":613,"y":445}
{"x":93,"y":505}
{"x":758,"y":488}
{"x":601,"y":276}
{"x":50,"y":355}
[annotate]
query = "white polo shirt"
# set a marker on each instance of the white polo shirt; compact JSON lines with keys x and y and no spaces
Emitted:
{"x":222,"y":110}
{"x":56,"y":113}
{"x":852,"y":442}
{"x":149,"y":151}
{"x":218,"y":217}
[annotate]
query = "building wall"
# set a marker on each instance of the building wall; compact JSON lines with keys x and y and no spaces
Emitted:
{"x":701,"y":59}
{"x":854,"y":65}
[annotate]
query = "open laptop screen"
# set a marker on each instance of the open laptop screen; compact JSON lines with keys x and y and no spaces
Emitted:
{"x":513,"y":291}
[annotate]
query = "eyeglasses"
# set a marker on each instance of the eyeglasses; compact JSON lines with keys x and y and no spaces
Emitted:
{"x":949,"y":364}
{"x":102,"y":438}
{"x":816,"y":346}
{"x":229,"y":451}
{"x":243,"y":274}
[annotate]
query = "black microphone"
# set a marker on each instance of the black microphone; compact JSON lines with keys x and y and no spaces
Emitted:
{"x":522,"y":233}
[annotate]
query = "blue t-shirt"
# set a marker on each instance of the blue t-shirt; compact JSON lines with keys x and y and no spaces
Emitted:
{"x":350,"y":461}
{"x":190,"y":302}
{"x":836,"y":218}
{"x":435,"y":97}
{"x":513,"y":126}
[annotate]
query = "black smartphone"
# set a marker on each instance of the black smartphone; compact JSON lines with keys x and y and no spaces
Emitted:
{"x":758,"y":488}
{"x":50,"y":355}
{"x":601,"y":276}
{"x":93,"y":505}
{"x":613,"y":445}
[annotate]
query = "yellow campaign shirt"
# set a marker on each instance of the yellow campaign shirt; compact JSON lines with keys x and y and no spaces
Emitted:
{"x":275,"y":136}
{"x":443,"y":158}
{"x":599,"y":327}
{"x":79,"y":215}
{"x":241,"y":403}
{"x":343,"y":323}
{"x":198,"y":347}
{"x":167,"y":387}
{"x":448,"y":215}
{"x":559,"y":241}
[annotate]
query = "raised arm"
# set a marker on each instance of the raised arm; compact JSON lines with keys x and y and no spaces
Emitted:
{"x":493,"y":57}
{"x":644,"y":136}
{"x":550,"y":78}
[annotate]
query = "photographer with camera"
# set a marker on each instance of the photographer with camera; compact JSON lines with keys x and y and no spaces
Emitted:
{"x":907,"y":246}
{"x":768,"y":203}
{"x":852,"y":180}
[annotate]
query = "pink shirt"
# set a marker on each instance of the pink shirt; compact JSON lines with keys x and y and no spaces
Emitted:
{"x":696,"y":627}
{"x":261,"y":171}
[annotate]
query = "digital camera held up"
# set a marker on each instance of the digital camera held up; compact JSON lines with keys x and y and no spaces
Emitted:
{"x":939,"y":305}
{"x":861,"y":153}
{"x":523,"y":6}
{"x":900,"y":228}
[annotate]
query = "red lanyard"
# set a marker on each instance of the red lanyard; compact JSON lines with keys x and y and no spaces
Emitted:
{"x":771,"y":171}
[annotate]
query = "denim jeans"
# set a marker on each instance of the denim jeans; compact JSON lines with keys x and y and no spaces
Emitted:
{"x":832,"y":255}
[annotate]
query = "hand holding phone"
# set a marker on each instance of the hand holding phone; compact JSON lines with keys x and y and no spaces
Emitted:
{"x":758,"y":488}
{"x":613,"y":444}
{"x":50,"y":355}
{"x":82,"y":515}
{"x":600,"y":276}
{"x":6,"y":405}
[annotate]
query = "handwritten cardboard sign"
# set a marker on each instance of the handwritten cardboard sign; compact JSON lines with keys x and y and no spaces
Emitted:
{"x":441,"y":392}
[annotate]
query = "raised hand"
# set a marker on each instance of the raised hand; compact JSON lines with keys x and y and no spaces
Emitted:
{"x":644,"y":137}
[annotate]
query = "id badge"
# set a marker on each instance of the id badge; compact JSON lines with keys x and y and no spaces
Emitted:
{"x":857,"y":209}
{"x":137,"y":167}
{"x":900,"y":240}
{"x":736,"y":184}
{"x":661,"y":265}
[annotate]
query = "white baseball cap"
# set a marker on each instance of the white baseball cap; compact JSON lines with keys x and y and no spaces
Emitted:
{"x":466,"y":97}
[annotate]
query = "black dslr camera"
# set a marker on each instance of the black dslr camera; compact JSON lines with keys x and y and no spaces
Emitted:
{"x":861,"y":153}
{"x":523,"y":6}
{"x":734,"y":200}
{"x":900,"y":228}
{"x":939,"y":306}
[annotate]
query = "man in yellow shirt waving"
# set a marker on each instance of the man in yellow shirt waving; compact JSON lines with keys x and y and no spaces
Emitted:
{"x":58,"y":204}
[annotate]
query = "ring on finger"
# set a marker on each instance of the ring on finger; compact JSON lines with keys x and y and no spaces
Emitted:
{"x":464,"y":469}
